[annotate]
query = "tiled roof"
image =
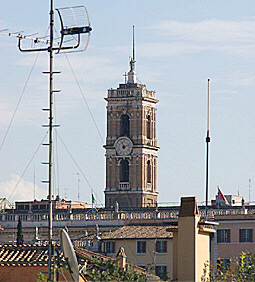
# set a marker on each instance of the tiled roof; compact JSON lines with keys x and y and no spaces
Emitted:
{"x":32,"y":255}
{"x":26,"y":255}
{"x":35,"y":255}
{"x":138,"y":232}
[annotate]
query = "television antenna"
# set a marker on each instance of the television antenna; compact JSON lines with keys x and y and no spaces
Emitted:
{"x":74,"y":37}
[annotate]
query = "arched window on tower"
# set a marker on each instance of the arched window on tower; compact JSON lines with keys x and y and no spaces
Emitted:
{"x":124,"y":125}
{"x":148,"y":127}
{"x":148,"y":172}
{"x":124,"y":171}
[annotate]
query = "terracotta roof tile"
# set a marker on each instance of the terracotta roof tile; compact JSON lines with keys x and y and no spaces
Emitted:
{"x":138,"y":232}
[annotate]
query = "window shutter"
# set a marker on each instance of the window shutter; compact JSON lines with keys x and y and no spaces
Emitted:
{"x":157,"y":246}
{"x":250,"y":235}
{"x":139,"y":247}
{"x":228,"y":236}
{"x":144,"y":247}
{"x":113,"y":247}
{"x":218,"y":236}
{"x":240,"y":235}
{"x":164,"y":270}
{"x":165,"y":246}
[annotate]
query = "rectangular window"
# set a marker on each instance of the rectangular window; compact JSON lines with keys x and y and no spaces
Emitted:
{"x":161,"y":271}
{"x":110,"y":247}
{"x":141,"y":247}
{"x":223,"y":236}
{"x":245,"y":235}
{"x":161,"y":247}
{"x":223,"y":264}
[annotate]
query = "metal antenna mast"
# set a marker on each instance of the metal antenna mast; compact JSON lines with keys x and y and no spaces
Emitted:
{"x":207,"y":151}
{"x":75,"y":22}
{"x":249,"y":191}
{"x":78,"y":185}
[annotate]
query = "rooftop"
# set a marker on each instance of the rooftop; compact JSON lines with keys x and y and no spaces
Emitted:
{"x":138,"y":232}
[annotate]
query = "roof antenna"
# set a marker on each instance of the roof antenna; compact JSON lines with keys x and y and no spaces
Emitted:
{"x":207,"y":140}
{"x":75,"y":24}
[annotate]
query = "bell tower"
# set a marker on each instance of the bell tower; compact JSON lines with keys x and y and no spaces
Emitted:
{"x":131,"y":144}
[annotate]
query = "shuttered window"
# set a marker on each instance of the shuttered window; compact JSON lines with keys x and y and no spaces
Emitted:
{"x":110,"y":247}
{"x":245,"y":235}
{"x":141,"y":247}
{"x":223,"y":236}
{"x":161,"y":246}
{"x":161,"y":271}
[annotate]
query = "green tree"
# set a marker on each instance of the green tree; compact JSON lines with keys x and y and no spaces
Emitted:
{"x":240,"y":269}
{"x":108,"y":270}
{"x":20,"y":240}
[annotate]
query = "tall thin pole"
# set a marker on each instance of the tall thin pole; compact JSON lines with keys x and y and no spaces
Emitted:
{"x":207,"y":151}
{"x":133,"y":43}
{"x":78,"y":185}
{"x":34,"y":182}
{"x":50,"y":132}
{"x":249,"y":191}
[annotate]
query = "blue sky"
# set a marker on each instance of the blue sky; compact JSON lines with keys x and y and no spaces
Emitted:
{"x":179,"y":45}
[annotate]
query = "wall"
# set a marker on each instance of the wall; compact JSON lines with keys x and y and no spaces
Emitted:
{"x":26,"y":273}
{"x":149,"y":258}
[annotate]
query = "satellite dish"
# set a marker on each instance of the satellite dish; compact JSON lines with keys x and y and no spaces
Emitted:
{"x":69,"y":254}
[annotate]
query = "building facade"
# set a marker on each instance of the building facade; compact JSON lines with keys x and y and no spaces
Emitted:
{"x":150,"y":247}
{"x":131,"y":145}
{"x":235,"y":234}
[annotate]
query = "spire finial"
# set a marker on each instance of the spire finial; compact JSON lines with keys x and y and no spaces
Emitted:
{"x":131,"y":73}
{"x":133,"y":43}
{"x":132,"y":61}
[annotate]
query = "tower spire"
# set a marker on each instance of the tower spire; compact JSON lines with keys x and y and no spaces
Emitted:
{"x":131,"y":73}
{"x":134,"y":43}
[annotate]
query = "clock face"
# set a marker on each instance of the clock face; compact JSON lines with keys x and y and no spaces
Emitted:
{"x":123,"y":146}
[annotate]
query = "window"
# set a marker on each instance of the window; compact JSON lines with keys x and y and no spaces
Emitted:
{"x":223,"y":236}
{"x":161,"y":271}
{"x":223,"y":264}
{"x":161,"y":247}
{"x":148,"y":172}
{"x":124,"y":125}
{"x":148,"y":127}
{"x":245,"y":235}
{"x":141,"y":247}
{"x":110,"y":247}
{"x":124,"y":171}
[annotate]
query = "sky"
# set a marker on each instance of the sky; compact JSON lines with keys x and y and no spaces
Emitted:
{"x":180,"y":44}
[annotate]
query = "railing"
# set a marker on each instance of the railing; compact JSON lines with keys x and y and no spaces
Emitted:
{"x":104,"y":215}
{"x":124,"y":185}
{"x":149,"y":186}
